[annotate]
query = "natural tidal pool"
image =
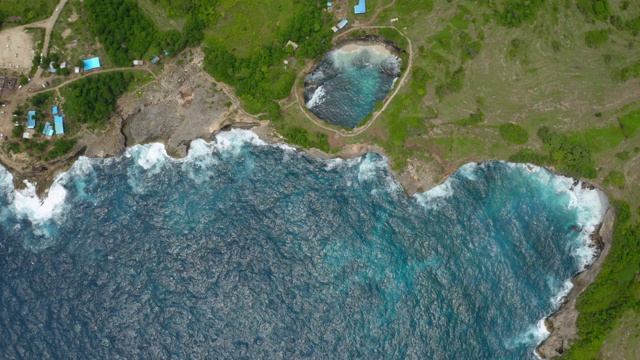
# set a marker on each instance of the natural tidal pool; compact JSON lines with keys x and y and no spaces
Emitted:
{"x":347,"y":83}
{"x":248,"y":250}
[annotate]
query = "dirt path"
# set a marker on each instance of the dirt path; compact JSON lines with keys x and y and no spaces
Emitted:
{"x":49,"y":23}
{"x":360,"y":130}
{"x":96,"y":72}
{"x":378,"y":11}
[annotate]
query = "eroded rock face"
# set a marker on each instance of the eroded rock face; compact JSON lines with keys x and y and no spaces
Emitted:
{"x":562,"y":324}
{"x":184,"y":104}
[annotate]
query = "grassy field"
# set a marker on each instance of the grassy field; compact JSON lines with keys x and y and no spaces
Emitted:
{"x":159,"y":17}
{"x":71,"y":38}
{"x":26,"y":11}
{"x":542,"y":73}
{"x":244,"y":26}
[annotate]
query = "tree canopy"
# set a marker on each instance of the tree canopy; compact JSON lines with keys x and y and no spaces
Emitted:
{"x":93,"y":99}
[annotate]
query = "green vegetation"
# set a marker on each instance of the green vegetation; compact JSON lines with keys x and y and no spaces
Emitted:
{"x":18,"y":12}
{"x":302,"y":137}
{"x":615,"y":178}
{"x":614,"y":292}
{"x":518,"y":12}
{"x":562,"y":152}
{"x":628,"y":72}
{"x":594,"y":9}
{"x":452,"y":85}
{"x":127,"y":33}
{"x":473,"y":119}
{"x":260,"y":78}
{"x":514,"y":134}
{"x":93,"y":99}
{"x":596,"y":38}
{"x":60,"y":147}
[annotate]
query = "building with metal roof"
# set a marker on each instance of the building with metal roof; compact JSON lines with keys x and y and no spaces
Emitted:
{"x":48,"y":129}
{"x":340,"y":25}
{"x":90,"y":64}
{"x":361,"y":8}
{"x":59,"y":123}
{"x":54,"y":110}
{"x":31,"y":119}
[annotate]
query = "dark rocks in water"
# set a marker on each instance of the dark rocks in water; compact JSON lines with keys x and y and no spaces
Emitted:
{"x":350,"y":79}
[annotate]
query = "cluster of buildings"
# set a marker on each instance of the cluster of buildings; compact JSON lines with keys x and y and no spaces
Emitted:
{"x":56,"y":128}
{"x":361,"y":8}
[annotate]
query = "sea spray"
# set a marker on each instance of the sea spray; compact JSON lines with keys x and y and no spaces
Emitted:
{"x":291,"y":256}
{"x":347,"y":83}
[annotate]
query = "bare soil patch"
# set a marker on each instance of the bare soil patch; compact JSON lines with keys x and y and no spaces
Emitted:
{"x":16,"y":50}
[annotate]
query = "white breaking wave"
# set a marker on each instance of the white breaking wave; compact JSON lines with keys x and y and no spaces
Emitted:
{"x":317,"y":98}
{"x":535,"y":334}
{"x":370,"y":167}
{"x":469,"y":171}
{"x":432,"y":198}
{"x":27,"y":204}
{"x":233,"y":140}
{"x":590,"y":205}
{"x":150,"y":157}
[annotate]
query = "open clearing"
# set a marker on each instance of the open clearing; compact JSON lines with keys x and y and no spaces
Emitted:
{"x":16,"y":50}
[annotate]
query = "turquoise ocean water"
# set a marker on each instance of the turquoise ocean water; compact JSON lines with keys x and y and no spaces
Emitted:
{"x":248,"y":250}
{"x":345,"y":86}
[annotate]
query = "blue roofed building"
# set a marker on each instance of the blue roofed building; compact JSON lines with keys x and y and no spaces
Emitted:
{"x":48,"y":129}
{"x":155,"y":59}
{"x":55,"y":110}
{"x":340,"y":25}
{"x":59,"y":124}
{"x":361,"y":8}
{"x":329,"y":4}
{"x":90,"y":64}
{"x":31,"y":119}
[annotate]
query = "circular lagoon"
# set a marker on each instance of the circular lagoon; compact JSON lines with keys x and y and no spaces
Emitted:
{"x":347,"y":83}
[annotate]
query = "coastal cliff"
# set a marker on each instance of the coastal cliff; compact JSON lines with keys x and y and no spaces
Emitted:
{"x":562,"y":323}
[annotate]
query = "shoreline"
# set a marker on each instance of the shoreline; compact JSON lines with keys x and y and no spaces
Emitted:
{"x":561,"y":324}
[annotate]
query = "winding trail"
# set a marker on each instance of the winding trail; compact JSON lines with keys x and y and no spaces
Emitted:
{"x":360,"y":130}
{"x":49,"y":24}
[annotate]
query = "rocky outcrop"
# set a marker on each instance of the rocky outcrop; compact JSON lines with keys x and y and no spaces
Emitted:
{"x":562,"y":324}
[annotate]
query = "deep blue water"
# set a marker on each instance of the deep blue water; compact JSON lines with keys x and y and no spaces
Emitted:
{"x":345,"y":86}
{"x":244,"y":250}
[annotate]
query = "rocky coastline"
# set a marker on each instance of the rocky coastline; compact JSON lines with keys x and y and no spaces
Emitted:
{"x":200,"y":111}
{"x":562,"y":324}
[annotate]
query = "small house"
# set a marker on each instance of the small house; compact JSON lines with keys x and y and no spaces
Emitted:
{"x":361,"y":8}
{"x":48,"y":129}
{"x":329,"y":4}
{"x":340,"y":25}
{"x":138,"y":62}
{"x":54,"y":110}
{"x":59,"y":124}
{"x":155,"y":59}
{"x":90,"y":64}
{"x":76,"y":70}
{"x":63,"y":65}
{"x":166,"y":53}
{"x":26,"y":135}
{"x":293,"y":45}
{"x":31,"y":119}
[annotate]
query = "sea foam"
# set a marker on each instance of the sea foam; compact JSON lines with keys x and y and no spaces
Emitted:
{"x":317,"y":98}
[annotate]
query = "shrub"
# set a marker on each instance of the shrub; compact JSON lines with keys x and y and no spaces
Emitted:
{"x":513,"y":134}
{"x":616,"y":179}
{"x":596,"y":38}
